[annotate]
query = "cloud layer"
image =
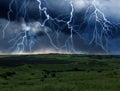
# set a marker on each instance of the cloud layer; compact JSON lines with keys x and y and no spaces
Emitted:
{"x":25,"y":16}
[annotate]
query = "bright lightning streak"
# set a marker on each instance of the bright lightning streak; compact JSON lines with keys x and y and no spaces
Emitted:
{"x":22,"y":38}
{"x":70,"y":27}
{"x":48,"y":17}
{"x":99,"y":16}
{"x":27,"y":38}
{"x":10,"y":10}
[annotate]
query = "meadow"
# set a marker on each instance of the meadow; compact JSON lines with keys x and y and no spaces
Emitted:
{"x":59,"y":72}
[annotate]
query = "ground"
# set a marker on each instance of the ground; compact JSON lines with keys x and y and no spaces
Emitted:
{"x":59,"y":72}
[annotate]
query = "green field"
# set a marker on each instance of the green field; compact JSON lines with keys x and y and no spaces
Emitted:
{"x":55,"y":72}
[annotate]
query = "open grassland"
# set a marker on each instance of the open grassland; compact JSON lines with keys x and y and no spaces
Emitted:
{"x":55,"y":72}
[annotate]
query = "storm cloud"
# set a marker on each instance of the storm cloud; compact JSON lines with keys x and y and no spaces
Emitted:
{"x":24,"y":15}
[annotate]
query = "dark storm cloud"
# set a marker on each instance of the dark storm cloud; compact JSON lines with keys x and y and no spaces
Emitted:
{"x":43,"y":42}
{"x":61,"y":11}
{"x":19,"y":8}
{"x":56,"y":8}
{"x":31,"y":8}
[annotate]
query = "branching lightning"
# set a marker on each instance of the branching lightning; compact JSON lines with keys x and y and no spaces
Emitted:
{"x":26,"y":37}
{"x":99,"y":37}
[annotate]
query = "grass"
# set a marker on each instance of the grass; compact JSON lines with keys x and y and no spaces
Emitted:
{"x":55,"y":72}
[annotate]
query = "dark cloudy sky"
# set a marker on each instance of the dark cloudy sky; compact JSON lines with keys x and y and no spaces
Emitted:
{"x":21,"y":27}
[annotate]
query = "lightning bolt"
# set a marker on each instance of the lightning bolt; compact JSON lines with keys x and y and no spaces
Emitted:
{"x":27,"y":38}
{"x":10,"y":11}
{"x":99,"y":36}
{"x":21,"y":40}
{"x":48,"y":17}
{"x":71,"y":27}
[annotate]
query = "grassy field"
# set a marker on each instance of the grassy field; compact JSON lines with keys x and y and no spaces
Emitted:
{"x":56,"y":72}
